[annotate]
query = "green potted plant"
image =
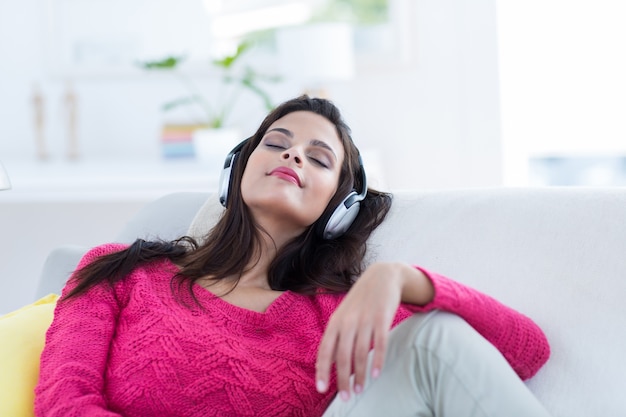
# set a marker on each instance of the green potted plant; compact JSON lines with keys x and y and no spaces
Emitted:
{"x":208,"y":132}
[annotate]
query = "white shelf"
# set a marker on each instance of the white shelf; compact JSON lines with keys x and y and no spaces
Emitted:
{"x":106,"y":179}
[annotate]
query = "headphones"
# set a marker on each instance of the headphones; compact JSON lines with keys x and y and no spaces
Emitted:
{"x":339,"y":221}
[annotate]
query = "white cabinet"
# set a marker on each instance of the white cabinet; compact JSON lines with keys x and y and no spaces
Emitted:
{"x":82,"y":203}
{"x":106,"y":179}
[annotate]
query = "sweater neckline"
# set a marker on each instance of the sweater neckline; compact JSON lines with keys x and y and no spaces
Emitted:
{"x":275,"y":309}
{"x":214,"y":303}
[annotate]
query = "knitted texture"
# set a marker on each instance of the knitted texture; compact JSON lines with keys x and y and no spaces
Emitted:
{"x":134,"y":350}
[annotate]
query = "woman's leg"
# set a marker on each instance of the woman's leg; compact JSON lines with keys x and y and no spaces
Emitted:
{"x":439,"y":366}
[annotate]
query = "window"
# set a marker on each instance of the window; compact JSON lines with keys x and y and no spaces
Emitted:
{"x":562,"y":88}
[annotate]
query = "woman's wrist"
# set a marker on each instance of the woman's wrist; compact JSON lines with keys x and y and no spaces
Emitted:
{"x":417,"y":288}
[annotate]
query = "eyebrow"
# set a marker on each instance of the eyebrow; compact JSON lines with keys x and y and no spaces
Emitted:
{"x":313,"y":142}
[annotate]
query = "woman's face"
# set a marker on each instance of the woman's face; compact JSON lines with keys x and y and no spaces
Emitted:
{"x":293,"y":172}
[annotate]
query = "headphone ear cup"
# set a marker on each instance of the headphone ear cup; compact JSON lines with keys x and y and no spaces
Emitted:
{"x":343,"y":216}
{"x":225,"y":179}
{"x":227,"y":172}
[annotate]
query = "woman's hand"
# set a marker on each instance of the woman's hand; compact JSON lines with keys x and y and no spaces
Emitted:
{"x":365,"y":317}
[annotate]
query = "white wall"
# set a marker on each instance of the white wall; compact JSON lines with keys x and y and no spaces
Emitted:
{"x":562,"y":66}
{"x":30,"y":231}
{"x":437,"y":121}
{"x":434,"y":119}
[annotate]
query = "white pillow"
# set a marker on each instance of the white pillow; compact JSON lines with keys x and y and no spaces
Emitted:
{"x":206,"y":218}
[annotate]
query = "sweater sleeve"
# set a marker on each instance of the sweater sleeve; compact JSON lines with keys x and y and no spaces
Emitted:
{"x":73,"y":362}
{"x":517,"y":337}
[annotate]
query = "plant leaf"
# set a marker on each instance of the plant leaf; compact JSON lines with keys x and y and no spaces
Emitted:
{"x":229,"y":60}
{"x":169,"y":62}
{"x":267,"y":101}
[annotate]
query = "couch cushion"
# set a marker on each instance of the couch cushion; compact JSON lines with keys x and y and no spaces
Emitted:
{"x":206,"y":217}
{"x":22,"y":333}
{"x":555,"y":254}
{"x":166,"y":218}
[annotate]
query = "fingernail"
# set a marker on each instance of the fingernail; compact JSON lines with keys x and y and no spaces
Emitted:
{"x":358,"y":389}
{"x":321,"y":386}
{"x":375,"y":373}
{"x":345,"y":395}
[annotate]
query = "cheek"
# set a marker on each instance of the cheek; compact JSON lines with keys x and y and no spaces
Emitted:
{"x":247,"y":187}
{"x":326,"y":190}
{"x":247,"y":179}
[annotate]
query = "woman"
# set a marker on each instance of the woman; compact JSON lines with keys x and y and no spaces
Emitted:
{"x":266,"y":318}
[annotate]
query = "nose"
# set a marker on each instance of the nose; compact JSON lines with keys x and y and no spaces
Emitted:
{"x":292,"y":153}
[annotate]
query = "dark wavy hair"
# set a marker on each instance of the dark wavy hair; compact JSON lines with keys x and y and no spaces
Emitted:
{"x":306,"y":264}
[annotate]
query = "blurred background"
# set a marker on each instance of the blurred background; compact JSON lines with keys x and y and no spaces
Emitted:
{"x":106,"y":105}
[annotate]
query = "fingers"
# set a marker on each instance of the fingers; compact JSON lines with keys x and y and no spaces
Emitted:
{"x":361,"y":353}
{"x":325,"y":358}
{"x":343,"y":362}
{"x":349,"y":348}
{"x":362,"y":319}
{"x":336,"y":347}
{"x":380,"y":349}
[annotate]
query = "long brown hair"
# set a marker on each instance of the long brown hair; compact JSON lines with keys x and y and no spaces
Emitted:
{"x":306,"y":264}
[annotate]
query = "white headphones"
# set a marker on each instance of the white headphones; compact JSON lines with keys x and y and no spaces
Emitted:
{"x":339,"y":221}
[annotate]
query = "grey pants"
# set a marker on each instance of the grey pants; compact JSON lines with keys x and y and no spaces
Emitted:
{"x":437,"y":365}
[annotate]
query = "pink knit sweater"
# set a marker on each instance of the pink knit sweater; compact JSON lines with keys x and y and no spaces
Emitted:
{"x":136,"y":351}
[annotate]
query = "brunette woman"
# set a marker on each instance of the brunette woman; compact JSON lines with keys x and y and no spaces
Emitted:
{"x":274,"y":313}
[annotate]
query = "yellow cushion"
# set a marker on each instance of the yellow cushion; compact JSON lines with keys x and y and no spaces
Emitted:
{"x":22,"y":336}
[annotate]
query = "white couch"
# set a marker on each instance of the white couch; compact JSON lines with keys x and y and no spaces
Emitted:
{"x":555,"y":254}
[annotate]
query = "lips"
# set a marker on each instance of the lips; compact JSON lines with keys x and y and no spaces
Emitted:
{"x":287,"y":174}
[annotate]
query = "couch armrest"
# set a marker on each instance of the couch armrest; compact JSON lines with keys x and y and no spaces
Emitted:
{"x":167,"y":218}
{"x":59,"y":265}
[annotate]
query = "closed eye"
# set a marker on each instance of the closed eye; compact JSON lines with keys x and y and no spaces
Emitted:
{"x":317,"y":154}
{"x":318,"y":162}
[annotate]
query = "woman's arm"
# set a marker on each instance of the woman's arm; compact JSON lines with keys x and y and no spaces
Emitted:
{"x":366,"y":314}
{"x":74,"y":358}
{"x":517,"y":337}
